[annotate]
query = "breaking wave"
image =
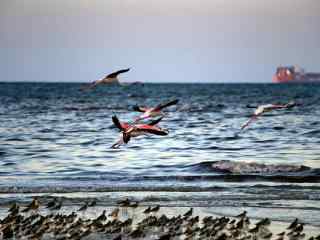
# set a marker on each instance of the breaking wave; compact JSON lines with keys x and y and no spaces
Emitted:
{"x":237,"y":167}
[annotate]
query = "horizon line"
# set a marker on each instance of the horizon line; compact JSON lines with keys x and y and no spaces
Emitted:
{"x":1,"y":81}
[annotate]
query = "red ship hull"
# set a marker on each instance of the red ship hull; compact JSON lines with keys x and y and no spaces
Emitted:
{"x":294,"y":75}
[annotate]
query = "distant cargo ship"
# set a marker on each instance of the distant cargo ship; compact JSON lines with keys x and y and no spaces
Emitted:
{"x":294,"y":74}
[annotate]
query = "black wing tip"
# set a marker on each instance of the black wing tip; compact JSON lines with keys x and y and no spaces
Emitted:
{"x":136,"y":108}
{"x":116,"y":122}
{"x":156,"y":121}
{"x":164,"y":133}
{"x":124,"y":70}
{"x":175,"y":101}
{"x":251,"y":106}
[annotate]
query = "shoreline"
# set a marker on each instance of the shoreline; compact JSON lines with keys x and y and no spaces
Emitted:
{"x":137,"y":215}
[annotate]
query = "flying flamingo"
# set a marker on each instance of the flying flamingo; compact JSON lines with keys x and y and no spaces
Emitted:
{"x":153,"y":111}
{"x":109,"y":79}
{"x":135,"y":130}
{"x":266,"y":108}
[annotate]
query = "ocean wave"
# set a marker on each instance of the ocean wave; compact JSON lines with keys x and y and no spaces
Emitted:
{"x":72,"y":189}
{"x":237,"y":167}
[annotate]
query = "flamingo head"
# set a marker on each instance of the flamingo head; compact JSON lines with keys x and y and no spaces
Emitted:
{"x":126,"y":134}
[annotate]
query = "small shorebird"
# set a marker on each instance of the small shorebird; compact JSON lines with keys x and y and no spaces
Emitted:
{"x":14,"y":209}
{"x":124,"y":203}
{"x":153,"y":111}
{"x":147,"y":210}
{"x":266,"y":108}
{"x":115,"y":213}
{"x":155,"y":209}
{"x":135,"y":130}
{"x":109,"y":79}
{"x":34,"y":205}
{"x":188,"y":213}
{"x":84,"y":207}
{"x":242,"y":215}
{"x":293,"y":224}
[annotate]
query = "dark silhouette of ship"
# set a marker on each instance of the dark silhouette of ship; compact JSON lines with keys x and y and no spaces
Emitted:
{"x":294,"y":74}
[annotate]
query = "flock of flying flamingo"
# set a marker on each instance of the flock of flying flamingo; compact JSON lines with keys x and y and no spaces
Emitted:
{"x":136,"y":128}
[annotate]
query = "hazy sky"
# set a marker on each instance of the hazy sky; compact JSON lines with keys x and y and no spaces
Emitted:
{"x":161,"y":40}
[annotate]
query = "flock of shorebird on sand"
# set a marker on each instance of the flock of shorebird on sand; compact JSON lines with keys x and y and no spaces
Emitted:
{"x":137,"y":128}
{"x":29,"y":223}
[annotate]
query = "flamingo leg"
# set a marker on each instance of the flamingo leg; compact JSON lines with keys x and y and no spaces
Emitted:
{"x":248,"y":122}
{"x":117,"y":144}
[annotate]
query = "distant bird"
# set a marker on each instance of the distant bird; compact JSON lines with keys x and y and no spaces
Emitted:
{"x":52,"y":203}
{"x":124,"y":203}
{"x":266,"y":108}
{"x":34,"y":205}
{"x":188,"y":213}
{"x":297,"y":229}
{"x":134,"y":205}
{"x":14,"y":208}
{"x":109,"y":79}
{"x":135,"y":130}
{"x":92,"y":204}
{"x":57,"y":206}
{"x":281,"y":234}
{"x":102,"y":217}
{"x":155,"y":209}
{"x":147,"y":210}
{"x":242,"y":215}
{"x":263,"y":222}
{"x":293,"y":224}
{"x":153,"y":111}
{"x":84,"y":207}
{"x":114,"y":213}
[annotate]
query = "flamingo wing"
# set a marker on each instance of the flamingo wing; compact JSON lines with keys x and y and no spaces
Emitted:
{"x":89,"y":86}
{"x":115,"y":74}
{"x":251,"y":106}
{"x":119,"y":125}
{"x":155,"y":122}
{"x":152,"y":129}
{"x":139,"y":109}
{"x":164,"y":105}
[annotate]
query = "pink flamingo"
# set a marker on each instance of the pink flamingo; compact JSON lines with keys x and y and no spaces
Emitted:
{"x":153,"y":111}
{"x":266,"y":108}
{"x":135,"y":130}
